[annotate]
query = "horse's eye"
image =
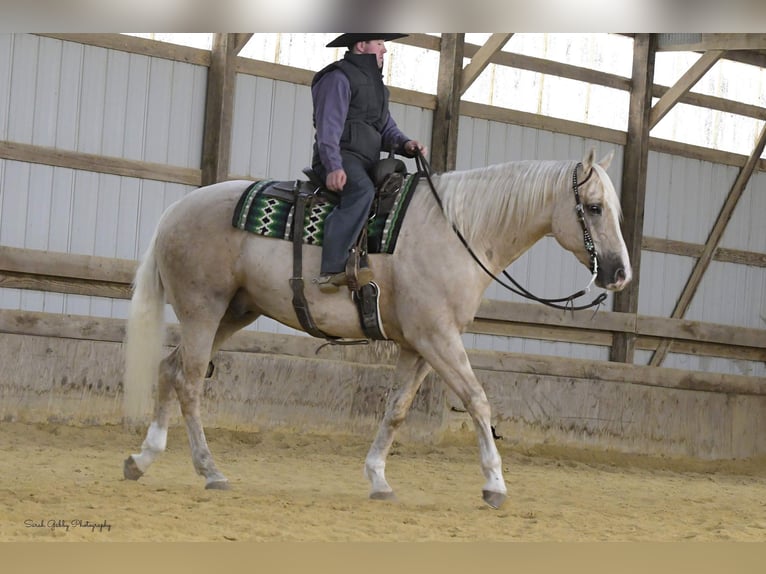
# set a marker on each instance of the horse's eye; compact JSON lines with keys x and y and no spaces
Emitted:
{"x":595,"y":209}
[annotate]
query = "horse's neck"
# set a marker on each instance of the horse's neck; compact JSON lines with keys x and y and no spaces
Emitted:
{"x":503,"y":210}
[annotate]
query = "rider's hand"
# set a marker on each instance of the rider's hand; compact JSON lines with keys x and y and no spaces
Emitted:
{"x":336,"y":180}
{"x":413,"y":146}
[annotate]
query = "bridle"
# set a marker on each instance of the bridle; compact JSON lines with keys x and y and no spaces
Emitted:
{"x":566,"y":303}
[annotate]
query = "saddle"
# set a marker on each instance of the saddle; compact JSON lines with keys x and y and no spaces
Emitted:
{"x":388,"y":176}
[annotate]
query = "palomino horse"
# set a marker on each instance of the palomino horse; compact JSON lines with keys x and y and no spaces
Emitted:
{"x":220,"y":279}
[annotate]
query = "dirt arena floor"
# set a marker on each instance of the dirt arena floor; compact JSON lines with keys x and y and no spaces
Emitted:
{"x":64,"y":483}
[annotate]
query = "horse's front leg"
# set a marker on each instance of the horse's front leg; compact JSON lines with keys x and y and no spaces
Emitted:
{"x":411,"y":369}
{"x":448,"y":357}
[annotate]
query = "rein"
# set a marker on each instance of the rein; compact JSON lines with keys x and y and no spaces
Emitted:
{"x":568,"y":302}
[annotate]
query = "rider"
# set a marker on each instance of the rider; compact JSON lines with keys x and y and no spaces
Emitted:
{"x":353,"y":125}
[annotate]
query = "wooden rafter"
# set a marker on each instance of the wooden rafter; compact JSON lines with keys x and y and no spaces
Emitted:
{"x":240,"y":39}
{"x":712,"y":243}
{"x":704,"y":42}
{"x":481,"y":59}
{"x":683,"y":85}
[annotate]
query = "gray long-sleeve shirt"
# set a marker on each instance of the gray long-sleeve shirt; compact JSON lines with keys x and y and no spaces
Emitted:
{"x":331,"y":96}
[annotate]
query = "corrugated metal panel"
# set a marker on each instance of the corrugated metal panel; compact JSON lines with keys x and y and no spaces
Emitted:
{"x":747,"y":230}
{"x":91,"y":100}
{"x":102,"y":101}
{"x":273,"y":132}
{"x":94,"y":100}
{"x":64,"y":210}
{"x":684,"y":197}
{"x":6,"y":59}
{"x":683,"y":200}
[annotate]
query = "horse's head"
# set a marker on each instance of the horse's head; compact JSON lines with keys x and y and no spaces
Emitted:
{"x":601,"y":214}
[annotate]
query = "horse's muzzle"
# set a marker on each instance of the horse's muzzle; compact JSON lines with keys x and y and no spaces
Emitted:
{"x":614,"y":274}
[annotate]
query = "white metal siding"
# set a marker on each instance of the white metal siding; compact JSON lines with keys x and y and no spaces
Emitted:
{"x":88,"y":99}
{"x":683,"y":199}
{"x":69,"y":96}
{"x":272,"y":129}
{"x":72,"y":211}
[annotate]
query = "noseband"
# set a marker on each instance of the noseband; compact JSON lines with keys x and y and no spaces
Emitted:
{"x":566,"y":303}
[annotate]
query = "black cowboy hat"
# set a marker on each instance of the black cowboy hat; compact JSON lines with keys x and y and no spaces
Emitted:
{"x":348,"y":40}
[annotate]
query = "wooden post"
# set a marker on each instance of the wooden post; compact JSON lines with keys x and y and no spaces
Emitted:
{"x":634,"y":184}
{"x":447,"y":113}
{"x":219,"y":108}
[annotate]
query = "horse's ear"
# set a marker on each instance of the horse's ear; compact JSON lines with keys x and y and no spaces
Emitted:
{"x":587,"y":161}
{"x":606,"y":160}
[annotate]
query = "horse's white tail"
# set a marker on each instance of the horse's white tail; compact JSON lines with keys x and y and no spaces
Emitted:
{"x":144,"y":337}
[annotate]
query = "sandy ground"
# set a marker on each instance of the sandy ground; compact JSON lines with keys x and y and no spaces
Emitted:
{"x":65,"y":484}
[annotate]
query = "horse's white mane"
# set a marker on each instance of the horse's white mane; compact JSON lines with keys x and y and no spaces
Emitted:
{"x":493,"y":198}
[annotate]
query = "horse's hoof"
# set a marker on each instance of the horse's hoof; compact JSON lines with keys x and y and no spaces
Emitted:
{"x":130,"y":469}
{"x":218,"y":485}
{"x":494,"y":499}
{"x":383,"y":495}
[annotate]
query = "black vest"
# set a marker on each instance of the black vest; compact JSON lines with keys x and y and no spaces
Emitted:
{"x":367,"y":110}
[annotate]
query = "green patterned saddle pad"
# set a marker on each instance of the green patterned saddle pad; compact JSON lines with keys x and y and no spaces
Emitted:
{"x":271,"y":215}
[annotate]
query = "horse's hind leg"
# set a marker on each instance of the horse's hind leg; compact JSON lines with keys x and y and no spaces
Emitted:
{"x":171,"y":374}
{"x":157,"y":436}
{"x":195,"y":351}
{"x":411,"y":369}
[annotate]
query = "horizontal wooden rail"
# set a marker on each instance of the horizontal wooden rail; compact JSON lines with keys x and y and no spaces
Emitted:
{"x":113,"y":330}
{"x":100,"y":164}
{"x":108,"y":277}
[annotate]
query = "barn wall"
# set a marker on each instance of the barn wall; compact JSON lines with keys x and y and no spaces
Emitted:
{"x":683,"y":199}
{"x":102,"y":101}
{"x":87,"y":99}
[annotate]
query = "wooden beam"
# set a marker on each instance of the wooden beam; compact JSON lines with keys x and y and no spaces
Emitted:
{"x":98,"y":163}
{"x":679,"y":379}
{"x":604,"y":339}
{"x":710,"y":41}
{"x":219,"y":109}
{"x":31,"y":323}
{"x":481,"y":59}
{"x":686,"y":249}
{"x":447,"y":113}
{"x":635,"y":161}
{"x":66,"y":265}
{"x":515,"y":314}
{"x":715,"y":103}
{"x":683,"y":85}
{"x":240,"y":40}
{"x":136,"y":45}
{"x":712,"y":243}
